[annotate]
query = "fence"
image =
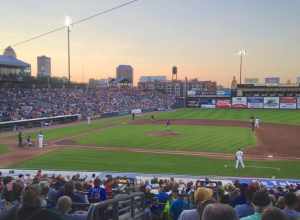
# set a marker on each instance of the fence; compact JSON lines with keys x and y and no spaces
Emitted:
{"x":123,"y":207}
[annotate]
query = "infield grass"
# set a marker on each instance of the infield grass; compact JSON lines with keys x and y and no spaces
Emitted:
{"x":266,"y":115}
{"x":195,"y":138}
{"x":84,"y":160}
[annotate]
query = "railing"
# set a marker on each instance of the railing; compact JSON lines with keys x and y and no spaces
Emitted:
{"x":123,"y":207}
{"x":38,"y":122}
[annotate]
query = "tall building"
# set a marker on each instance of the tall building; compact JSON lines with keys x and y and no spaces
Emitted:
{"x":10,"y":65}
{"x":125,"y":72}
{"x":43,"y":66}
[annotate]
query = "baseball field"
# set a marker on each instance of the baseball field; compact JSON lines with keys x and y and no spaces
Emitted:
{"x":198,"y":142}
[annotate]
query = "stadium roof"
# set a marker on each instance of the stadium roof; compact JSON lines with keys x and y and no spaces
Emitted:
{"x":12,"y":62}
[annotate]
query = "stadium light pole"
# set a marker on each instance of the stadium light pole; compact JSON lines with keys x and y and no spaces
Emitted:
{"x":68,"y":23}
{"x":241,"y":53}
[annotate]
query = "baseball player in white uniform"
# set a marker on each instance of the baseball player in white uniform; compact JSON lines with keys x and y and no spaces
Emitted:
{"x":239,"y":158}
{"x":257,"y":121}
{"x":40,"y":140}
{"x":88,"y":120}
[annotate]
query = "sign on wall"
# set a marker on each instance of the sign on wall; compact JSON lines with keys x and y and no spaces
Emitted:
{"x":288,"y":102}
{"x":239,"y":102}
{"x":255,"y":102}
{"x":208,"y":103}
{"x":271,"y":102}
{"x":225,"y":103}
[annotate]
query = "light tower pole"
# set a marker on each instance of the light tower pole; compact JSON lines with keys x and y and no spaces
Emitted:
{"x":68,"y":23}
{"x":241,"y":53}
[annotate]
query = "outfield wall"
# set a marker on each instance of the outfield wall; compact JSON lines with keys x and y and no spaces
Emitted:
{"x":244,"y":102}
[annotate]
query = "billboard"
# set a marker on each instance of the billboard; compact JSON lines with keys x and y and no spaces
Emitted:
{"x":251,"y":80}
{"x":288,"y":102}
{"x":298,"y":102}
{"x":224,"y":103}
{"x":239,"y":102}
{"x":255,"y":102}
{"x":224,"y":93}
{"x":208,"y":103}
{"x":271,"y":102}
{"x":272,"y":81}
{"x":192,"y":103}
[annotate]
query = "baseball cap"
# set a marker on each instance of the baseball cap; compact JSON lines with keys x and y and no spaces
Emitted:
{"x":202,"y":194}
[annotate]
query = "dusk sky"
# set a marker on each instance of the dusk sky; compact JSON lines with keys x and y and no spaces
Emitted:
{"x":201,"y":37}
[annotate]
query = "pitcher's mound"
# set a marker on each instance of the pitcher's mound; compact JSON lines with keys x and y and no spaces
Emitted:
{"x":162,"y":133}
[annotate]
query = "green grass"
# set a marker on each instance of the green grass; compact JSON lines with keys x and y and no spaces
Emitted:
{"x":81,"y":159}
{"x":76,"y":129}
{"x":266,"y":115}
{"x":3,"y":149}
{"x":197,"y":138}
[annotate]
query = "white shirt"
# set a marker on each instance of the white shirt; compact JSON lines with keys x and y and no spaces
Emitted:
{"x":239,"y":155}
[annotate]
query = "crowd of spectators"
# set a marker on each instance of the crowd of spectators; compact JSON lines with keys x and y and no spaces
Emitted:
{"x":46,"y":197}
{"x":23,"y":103}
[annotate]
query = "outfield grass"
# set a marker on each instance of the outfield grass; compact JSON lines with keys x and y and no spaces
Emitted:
{"x":197,"y":138}
{"x":266,"y":115}
{"x":3,"y":149}
{"x":77,"y":129}
{"x":149,"y":163}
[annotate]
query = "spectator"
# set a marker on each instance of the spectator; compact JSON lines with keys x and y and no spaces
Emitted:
{"x":202,"y":195}
{"x":64,"y":207}
{"x":30,"y":208}
{"x":247,"y":208}
{"x":261,"y":201}
{"x":290,"y":200}
{"x":274,"y":214}
{"x":178,"y":206}
{"x":219,"y":211}
{"x":97,"y":193}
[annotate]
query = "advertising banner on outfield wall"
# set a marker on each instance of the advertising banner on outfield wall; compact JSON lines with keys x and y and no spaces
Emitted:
{"x":271,"y":102}
{"x":298,"y":102}
{"x":288,"y":102}
{"x":255,"y":102}
{"x":208,"y":103}
{"x":223,"y":103}
{"x":192,"y":103}
{"x":239,"y":102}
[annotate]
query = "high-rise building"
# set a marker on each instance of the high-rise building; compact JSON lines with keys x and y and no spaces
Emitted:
{"x":43,"y":66}
{"x":125,"y":72}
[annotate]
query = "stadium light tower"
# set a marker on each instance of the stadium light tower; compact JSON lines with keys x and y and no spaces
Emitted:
{"x":68,"y":23}
{"x":241,"y":53}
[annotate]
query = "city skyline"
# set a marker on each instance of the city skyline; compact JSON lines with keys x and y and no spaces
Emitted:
{"x":200,"y":37}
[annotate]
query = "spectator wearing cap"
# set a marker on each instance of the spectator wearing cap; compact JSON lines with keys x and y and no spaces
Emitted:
{"x":202,"y":195}
{"x":219,"y":211}
{"x":274,"y":214}
{"x":178,"y":206}
{"x":261,"y":201}
{"x":290,"y":204}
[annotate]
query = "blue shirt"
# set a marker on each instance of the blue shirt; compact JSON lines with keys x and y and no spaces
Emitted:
{"x":177,"y":207}
{"x":97,"y":194}
{"x":244,"y":210}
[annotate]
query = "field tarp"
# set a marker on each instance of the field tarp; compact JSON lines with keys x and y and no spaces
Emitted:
{"x":255,"y":102}
{"x":239,"y":102}
{"x":271,"y":102}
{"x":288,"y":102}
